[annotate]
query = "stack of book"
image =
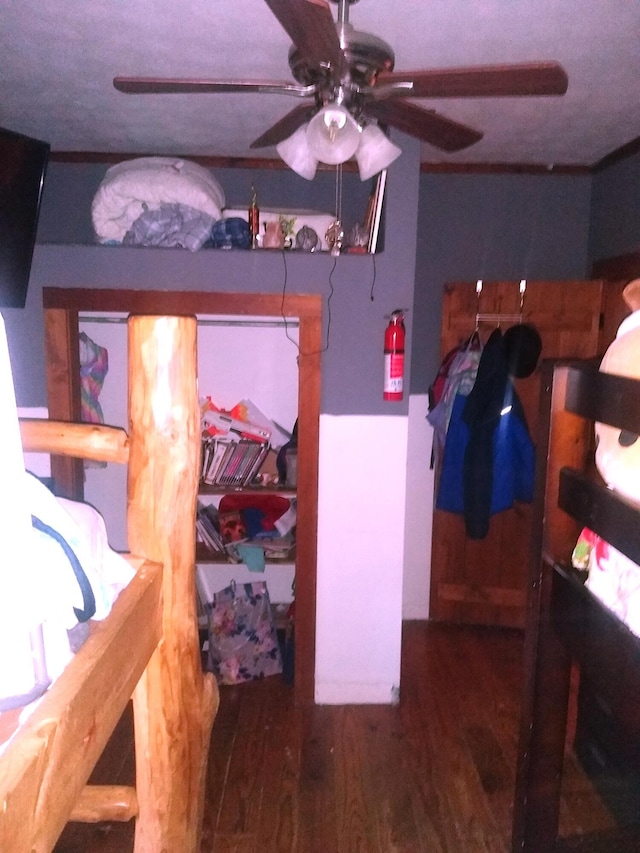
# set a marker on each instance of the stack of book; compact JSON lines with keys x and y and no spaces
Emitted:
{"x":279,"y":548}
{"x":208,"y":528}
{"x":231,"y":463}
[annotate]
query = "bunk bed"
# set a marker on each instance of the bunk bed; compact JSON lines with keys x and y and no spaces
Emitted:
{"x":148,"y":644}
{"x":568,"y":628}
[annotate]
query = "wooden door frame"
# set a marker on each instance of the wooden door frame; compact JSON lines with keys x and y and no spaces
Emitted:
{"x":618,"y":267}
{"x":62,"y":307}
{"x":476,"y":598}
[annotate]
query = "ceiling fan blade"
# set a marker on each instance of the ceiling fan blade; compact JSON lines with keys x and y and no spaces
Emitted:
{"x":424,"y":124}
{"x":285,"y":127}
{"x":183,"y":86}
{"x":310,"y":26}
{"x":490,"y":81}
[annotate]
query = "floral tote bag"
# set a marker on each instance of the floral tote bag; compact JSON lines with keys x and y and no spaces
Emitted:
{"x":243,"y":643}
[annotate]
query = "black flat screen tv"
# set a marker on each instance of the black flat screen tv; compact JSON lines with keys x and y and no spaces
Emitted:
{"x":23,"y":163}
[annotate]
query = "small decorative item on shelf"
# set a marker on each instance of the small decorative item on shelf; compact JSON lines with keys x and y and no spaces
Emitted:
{"x":230,"y":233}
{"x":307,"y":240}
{"x":287,"y":224}
{"x":291,"y":463}
{"x":358,"y":238}
{"x":273,"y":237}
{"x":287,"y":460}
{"x":335,"y":237}
{"x":254,"y":218}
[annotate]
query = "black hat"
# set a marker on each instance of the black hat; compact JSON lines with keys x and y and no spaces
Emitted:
{"x":522,"y":348}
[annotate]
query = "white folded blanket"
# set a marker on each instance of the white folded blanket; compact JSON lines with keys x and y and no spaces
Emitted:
{"x":146,"y":183}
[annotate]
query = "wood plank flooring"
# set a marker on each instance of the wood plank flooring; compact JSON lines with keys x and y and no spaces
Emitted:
{"x":434,"y":774}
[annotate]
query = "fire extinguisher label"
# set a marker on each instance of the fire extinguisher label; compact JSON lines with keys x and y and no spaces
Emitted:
{"x":393,"y":372}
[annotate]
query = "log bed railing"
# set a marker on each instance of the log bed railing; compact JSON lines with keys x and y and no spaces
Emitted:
{"x":149,"y":642}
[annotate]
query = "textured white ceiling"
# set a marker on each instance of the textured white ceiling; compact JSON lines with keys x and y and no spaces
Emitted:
{"x":58,"y":59}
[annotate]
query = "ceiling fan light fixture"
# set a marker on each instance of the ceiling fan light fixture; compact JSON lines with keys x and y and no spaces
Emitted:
{"x":375,"y":152}
{"x":333,"y":135}
{"x":296,"y":154}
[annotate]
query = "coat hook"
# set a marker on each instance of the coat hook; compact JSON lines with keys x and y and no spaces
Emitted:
{"x":523,"y":288}
{"x":478,"y":292}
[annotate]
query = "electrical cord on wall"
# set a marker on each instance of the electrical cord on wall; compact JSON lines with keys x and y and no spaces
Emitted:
{"x":284,"y":319}
{"x":373,"y":280}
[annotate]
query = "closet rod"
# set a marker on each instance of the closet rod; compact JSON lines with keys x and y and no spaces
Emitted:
{"x":498,"y":318}
{"x":270,"y":324}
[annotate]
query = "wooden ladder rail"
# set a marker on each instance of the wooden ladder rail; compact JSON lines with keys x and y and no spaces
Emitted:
{"x":174,"y":702}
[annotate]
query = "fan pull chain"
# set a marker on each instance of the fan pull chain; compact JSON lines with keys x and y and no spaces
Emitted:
{"x":335,"y":235}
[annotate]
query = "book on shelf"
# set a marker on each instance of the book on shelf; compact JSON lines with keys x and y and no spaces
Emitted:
{"x":277,"y":548}
{"x":218,"y":422}
{"x":213,"y":452}
{"x":231,"y":463}
{"x":208,"y":528}
{"x":244,"y":420}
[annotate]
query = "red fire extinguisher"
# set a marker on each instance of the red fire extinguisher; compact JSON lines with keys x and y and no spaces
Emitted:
{"x":394,"y":357}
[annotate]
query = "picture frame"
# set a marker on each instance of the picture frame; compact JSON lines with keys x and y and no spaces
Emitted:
{"x":373,"y":216}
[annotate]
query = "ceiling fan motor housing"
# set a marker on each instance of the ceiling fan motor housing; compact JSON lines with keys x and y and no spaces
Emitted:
{"x":365,"y":55}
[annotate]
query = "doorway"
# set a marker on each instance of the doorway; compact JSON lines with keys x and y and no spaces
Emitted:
{"x":61,"y":309}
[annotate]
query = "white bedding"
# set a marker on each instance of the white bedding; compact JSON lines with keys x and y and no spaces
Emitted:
{"x":612,"y":578}
{"x":49,"y":604}
{"x":147,"y":183}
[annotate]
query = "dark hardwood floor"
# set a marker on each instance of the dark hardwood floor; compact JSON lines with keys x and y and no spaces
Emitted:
{"x":434,"y":774}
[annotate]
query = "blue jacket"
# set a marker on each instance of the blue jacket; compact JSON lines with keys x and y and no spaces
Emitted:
{"x":487,"y":466}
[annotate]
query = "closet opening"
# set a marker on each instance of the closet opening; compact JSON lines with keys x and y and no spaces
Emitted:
{"x":67,"y":311}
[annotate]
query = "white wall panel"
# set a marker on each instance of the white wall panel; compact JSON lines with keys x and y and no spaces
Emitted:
{"x":361,"y":507}
{"x":419,"y":512}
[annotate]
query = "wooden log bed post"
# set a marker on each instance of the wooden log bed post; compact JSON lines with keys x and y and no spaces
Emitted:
{"x":174,"y":702}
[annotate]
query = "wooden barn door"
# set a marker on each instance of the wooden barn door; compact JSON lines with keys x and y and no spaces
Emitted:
{"x":484,"y":581}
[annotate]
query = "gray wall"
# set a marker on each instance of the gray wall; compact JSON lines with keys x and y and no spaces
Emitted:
{"x":615,"y":211}
{"x":468,"y":227}
{"x":352,"y":365}
{"x":491,"y":227}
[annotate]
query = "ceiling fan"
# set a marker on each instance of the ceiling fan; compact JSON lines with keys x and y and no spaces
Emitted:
{"x":337,"y":66}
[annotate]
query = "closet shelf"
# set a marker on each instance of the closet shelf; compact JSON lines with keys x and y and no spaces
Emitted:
{"x":206,"y":556}
{"x":284,"y":491}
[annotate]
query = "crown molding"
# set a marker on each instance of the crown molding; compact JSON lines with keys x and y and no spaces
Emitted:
{"x":628,"y":150}
{"x":625,"y":151}
{"x":504,"y":168}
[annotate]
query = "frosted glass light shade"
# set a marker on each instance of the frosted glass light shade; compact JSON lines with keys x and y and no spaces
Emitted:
{"x":375,"y":152}
{"x":295,"y":152}
{"x":333,"y":135}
